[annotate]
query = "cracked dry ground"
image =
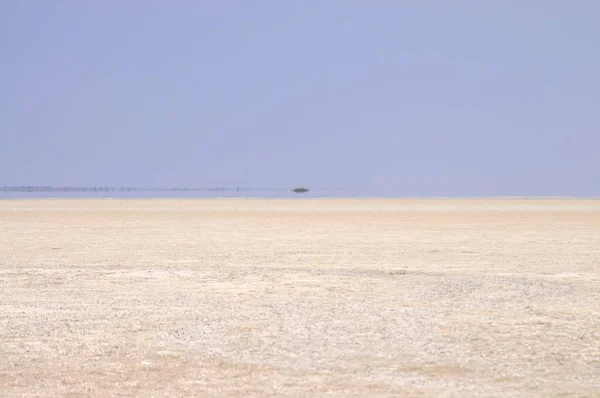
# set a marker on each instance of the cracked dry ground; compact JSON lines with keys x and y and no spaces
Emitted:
{"x":299,"y":297}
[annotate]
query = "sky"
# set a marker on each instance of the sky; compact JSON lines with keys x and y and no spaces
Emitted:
{"x":388,"y":98}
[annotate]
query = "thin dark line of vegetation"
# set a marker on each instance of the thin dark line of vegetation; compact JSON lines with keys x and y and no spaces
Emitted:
{"x":37,"y":188}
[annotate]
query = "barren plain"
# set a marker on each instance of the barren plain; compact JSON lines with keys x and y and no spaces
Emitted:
{"x":249,"y":297}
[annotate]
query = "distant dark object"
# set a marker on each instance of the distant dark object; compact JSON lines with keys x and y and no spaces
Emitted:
{"x":300,"y":190}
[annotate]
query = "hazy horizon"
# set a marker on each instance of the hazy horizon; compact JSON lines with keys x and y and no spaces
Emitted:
{"x":264,"y":193}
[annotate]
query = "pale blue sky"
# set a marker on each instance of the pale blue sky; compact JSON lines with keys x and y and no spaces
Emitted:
{"x":401,"y":98}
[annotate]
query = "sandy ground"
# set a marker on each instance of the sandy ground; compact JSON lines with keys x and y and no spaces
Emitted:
{"x":300,"y":297}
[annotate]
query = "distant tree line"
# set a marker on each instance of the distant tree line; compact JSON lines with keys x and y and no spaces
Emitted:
{"x":38,"y":188}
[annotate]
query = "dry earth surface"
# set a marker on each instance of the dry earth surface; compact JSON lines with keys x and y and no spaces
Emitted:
{"x":358,"y":297}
